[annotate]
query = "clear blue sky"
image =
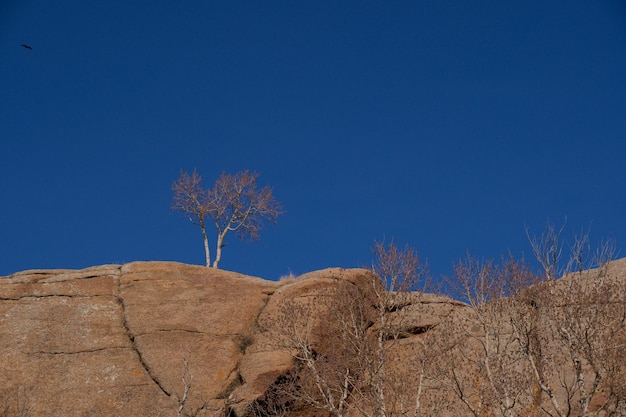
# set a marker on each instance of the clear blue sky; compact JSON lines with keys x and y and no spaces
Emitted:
{"x":447,"y":125}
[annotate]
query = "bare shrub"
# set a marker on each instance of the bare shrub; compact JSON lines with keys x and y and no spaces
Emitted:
{"x":289,"y":277}
{"x":326,"y":352}
{"x":571,"y":330}
{"x":343,"y":338}
{"x":483,"y":365}
{"x":572,"y":335}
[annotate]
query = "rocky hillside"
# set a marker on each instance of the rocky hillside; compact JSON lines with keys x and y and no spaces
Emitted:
{"x":168,"y":339}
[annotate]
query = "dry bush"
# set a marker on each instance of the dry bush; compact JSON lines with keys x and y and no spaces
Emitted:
{"x":342,"y":340}
{"x":571,"y":330}
{"x":483,"y":366}
{"x":325,"y":334}
{"x":287,"y":278}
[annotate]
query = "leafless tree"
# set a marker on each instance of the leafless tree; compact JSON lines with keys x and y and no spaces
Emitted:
{"x":327,"y":352}
{"x":402,"y":273}
{"x":416,"y":390}
{"x":550,"y":344}
{"x":185,"y":401}
{"x":192,"y":200}
{"x":572,"y":334}
{"x":483,"y":367}
{"x":187,"y":380}
{"x":234,"y":204}
{"x":277,"y":401}
{"x":548,"y":249}
{"x":361,"y":328}
{"x":526,"y":344}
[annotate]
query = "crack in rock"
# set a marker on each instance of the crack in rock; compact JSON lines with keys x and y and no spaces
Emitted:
{"x":78,"y":352}
{"x":131,"y":337}
{"x":32,"y":296}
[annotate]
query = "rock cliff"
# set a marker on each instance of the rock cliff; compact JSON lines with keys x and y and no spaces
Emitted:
{"x":165,"y":339}
{"x":127,"y":339}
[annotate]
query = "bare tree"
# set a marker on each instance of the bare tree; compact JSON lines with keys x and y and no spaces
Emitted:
{"x":193,"y":405}
{"x":192,"y":200}
{"x":539,"y":344}
{"x":525,"y":344}
{"x":548,"y":249}
{"x":572,"y":334}
{"x":327,"y":352}
{"x":343,"y":362}
{"x":187,"y":380}
{"x":234,"y":204}
{"x":277,"y":401}
{"x":483,"y":367}
{"x":401,"y":272}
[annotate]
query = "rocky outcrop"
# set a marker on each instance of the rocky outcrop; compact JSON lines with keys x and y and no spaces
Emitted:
{"x":128,"y":339}
{"x":112,"y":340}
{"x":169,"y":339}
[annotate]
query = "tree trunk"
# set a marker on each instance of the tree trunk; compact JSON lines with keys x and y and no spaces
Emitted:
{"x":418,"y":395}
{"x":207,"y":254}
{"x":218,"y":250}
{"x":380,"y":409}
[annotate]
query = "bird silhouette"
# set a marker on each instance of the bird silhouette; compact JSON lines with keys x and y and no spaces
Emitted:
{"x":26,"y":46}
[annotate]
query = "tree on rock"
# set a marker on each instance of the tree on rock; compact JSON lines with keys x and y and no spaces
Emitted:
{"x":235,"y":204}
{"x":192,"y":200}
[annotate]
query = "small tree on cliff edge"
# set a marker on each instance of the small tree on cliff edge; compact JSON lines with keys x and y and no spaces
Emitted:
{"x":235,"y":204}
{"x":191,"y":199}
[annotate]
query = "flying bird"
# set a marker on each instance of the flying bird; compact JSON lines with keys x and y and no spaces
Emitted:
{"x":26,"y":46}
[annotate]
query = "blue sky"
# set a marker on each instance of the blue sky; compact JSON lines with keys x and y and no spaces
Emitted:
{"x":447,"y":125}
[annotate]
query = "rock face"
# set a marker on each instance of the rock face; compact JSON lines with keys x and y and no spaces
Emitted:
{"x":112,"y":340}
{"x":126,"y":340}
{"x":168,"y":339}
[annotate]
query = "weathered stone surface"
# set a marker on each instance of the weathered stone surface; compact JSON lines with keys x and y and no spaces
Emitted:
{"x":64,"y":347}
{"x":113,"y":340}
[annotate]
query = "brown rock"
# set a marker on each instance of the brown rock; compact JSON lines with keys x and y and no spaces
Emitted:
{"x":113,"y":340}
